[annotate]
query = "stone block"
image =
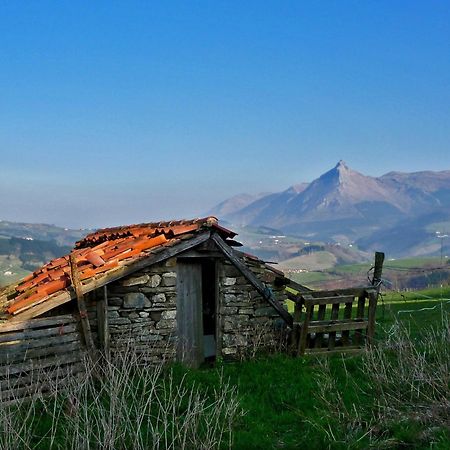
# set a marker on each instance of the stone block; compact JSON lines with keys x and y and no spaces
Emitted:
{"x":266,"y":311}
{"x":135,"y":281}
{"x":156,"y":315}
{"x":171,"y":314}
{"x":229,"y":298}
{"x":150,"y":338}
{"x":119,"y":321}
{"x":115,"y":301}
{"x":155,"y":281}
{"x":229,"y":351}
{"x":169,"y":279}
{"x":171,"y":262}
{"x":136,"y":300}
{"x":159,"y":298}
{"x":246,"y":311}
{"x":166,"y":324}
{"x":228,"y":309}
{"x":229,"y":281}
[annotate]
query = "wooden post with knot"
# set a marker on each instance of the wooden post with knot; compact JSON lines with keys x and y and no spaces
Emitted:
{"x":84,"y":319}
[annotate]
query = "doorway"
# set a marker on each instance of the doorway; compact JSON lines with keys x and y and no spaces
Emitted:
{"x":196,"y":310}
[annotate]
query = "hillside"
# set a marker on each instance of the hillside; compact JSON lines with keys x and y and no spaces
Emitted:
{"x":397,"y":212}
{"x":26,"y":246}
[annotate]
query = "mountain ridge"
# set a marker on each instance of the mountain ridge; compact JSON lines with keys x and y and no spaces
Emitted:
{"x":345,"y":201}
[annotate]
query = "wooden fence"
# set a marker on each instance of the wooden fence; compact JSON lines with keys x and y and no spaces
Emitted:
{"x":334,"y":321}
{"x":38,"y":356}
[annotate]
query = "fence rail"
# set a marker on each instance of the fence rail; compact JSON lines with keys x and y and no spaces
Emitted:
{"x":342,"y":320}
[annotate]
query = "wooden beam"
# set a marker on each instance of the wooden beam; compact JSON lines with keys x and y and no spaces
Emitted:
{"x":76,"y":283}
{"x":298,"y":287}
{"x":373,"y":297}
{"x":252,"y":278}
{"x":102,"y":321}
{"x":378,"y":268}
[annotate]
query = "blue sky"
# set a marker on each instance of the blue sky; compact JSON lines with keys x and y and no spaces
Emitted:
{"x":120,"y":112}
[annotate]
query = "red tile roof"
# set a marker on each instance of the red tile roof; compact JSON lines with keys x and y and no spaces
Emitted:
{"x":100,"y":252}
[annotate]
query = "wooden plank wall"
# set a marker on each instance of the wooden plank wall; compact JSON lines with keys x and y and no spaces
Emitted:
{"x":38,"y":356}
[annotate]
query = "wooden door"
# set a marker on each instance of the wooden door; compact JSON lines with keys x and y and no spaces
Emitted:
{"x":189,"y":313}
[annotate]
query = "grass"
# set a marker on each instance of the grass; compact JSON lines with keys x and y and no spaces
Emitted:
{"x":315,"y":261}
{"x":401,"y":273}
{"x":395,"y":396}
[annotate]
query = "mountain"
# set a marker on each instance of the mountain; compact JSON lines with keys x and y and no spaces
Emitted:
{"x":233,"y":204}
{"x":343,"y":205}
{"x":263,"y":210}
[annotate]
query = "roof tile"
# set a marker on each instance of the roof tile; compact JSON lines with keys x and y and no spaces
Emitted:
{"x":104,"y":250}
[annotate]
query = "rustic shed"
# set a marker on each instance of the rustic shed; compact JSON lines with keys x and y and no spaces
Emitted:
{"x":168,"y":290}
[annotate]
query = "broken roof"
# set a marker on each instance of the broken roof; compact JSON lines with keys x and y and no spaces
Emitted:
{"x":105,"y":256}
{"x":100,"y":255}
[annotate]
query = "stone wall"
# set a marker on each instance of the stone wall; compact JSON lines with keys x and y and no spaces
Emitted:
{"x":142,"y":312}
{"x":248,"y":323}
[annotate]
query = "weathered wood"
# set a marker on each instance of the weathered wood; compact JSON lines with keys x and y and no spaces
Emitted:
{"x":21,"y":346}
{"x":327,"y":326}
{"x":194,"y":253}
{"x":304,"y":329}
{"x":190,"y":313}
{"x":110,"y":276}
{"x":37,"y":333}
{"x":219,"y":319}
{"x":38,"y":364}
{"x":43,"y":383}
{"x":102,"y":321}
{"x":76,"y":283}
{"x":296,"y":326}
{"x":36,"y":323}
{"x":320,"y":351}
{"x":352,"y":292}
{"x":373,"y":296}
{"x":56,"y":372}
{"x":253,"y":279}
{"x":331,"y":300}
{"x":42,"y":307}
{"x":14,"y":357}
{"x":378,"y":268}
{"x":332,"y":334}
{"x":347,"y":315}
{"x":320,"y":317}
{"x":360,"y":316}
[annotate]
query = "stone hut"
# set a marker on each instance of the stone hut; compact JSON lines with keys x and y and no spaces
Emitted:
{"x":169,"y":290}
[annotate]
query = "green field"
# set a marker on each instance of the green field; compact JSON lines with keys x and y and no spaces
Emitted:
{"x":394,"y":396}
{"x":393,"y":271}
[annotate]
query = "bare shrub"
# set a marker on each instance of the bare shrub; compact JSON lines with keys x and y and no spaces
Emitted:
{"x":122,"y":404}
{"x":407,"y":380}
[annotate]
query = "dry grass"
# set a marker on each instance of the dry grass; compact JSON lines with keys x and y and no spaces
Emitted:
{"x":401,"y":397}
{"x":122,"y":405}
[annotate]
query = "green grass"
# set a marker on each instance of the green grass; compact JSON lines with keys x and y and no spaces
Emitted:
{"x":337,"y":402}
{"x":408,"y":263}
{"x":315,"y":261}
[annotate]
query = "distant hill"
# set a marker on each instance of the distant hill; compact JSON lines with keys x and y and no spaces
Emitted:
{"x":233,"y":204}
{"x":397,"y":212}
{"x":25,"y":246}
{"x":41,"y":232}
